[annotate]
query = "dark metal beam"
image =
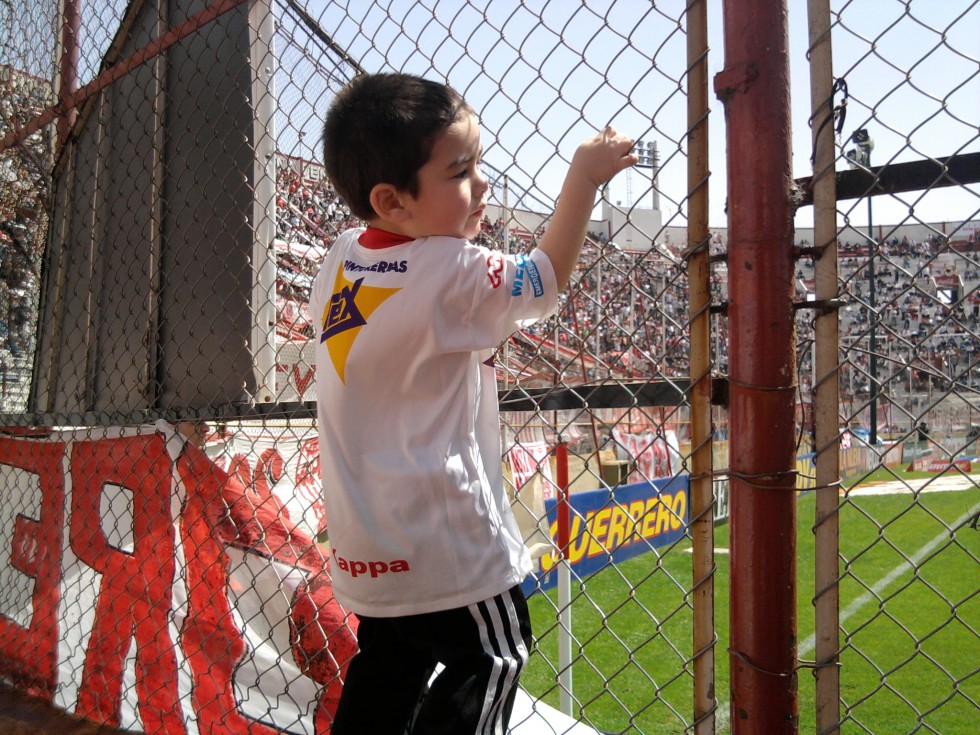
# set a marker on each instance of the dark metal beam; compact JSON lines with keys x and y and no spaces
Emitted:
{"x":897,"y":178}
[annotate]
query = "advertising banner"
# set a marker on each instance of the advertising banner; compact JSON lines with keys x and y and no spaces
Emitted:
{"x":615,"y":525}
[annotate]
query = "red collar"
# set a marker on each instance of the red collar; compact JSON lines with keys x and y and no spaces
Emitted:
{"x":376,"y":239}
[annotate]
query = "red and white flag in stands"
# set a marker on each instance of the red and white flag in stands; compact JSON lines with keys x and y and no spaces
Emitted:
{"x":526,"y":460}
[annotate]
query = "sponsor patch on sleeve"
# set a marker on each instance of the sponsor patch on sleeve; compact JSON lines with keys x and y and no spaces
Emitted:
{"x":527,"y":274}
{"x":534,"y":276}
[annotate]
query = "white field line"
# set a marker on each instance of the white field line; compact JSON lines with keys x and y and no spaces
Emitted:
{"x":722,"y":713}
{"x":806,"y":647}
{"x":946,"y":483}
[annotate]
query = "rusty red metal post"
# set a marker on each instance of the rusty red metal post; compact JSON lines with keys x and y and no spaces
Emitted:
{"x":566,"y":698}
{"x":563,"y":509}
{"x":762,"y":368}
{"x":71,"y":24}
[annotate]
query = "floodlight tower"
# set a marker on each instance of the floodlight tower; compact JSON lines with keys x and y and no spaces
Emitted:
{"x":650,"y":158}
{"x":860,"y":155}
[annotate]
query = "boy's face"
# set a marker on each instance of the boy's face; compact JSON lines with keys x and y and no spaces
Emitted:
{"x":452,"y":191}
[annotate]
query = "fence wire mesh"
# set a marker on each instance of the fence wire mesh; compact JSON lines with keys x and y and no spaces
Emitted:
{"x":156,"y":272}
{"x":906,"y":95}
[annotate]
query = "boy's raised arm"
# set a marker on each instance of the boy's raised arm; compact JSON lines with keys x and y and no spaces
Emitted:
{"x":596,"y":161}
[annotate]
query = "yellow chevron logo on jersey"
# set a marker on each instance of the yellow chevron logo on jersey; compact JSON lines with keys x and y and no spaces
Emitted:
{"x":349,"y":308}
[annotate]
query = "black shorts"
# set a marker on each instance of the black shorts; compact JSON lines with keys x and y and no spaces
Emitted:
{"x":482,"y":647}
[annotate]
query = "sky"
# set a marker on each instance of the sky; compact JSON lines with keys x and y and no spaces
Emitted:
{"x":543,"y":75}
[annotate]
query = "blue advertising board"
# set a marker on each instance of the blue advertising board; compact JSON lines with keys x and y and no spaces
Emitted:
{"x":615,"y":524}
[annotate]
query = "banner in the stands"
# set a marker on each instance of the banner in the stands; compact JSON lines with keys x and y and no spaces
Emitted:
{"x":651,"y":454}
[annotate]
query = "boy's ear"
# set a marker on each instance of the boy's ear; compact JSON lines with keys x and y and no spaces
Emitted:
{"x":388,"y":203}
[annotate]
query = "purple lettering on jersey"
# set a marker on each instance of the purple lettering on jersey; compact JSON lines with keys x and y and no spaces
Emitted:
{"x":342,"y":313}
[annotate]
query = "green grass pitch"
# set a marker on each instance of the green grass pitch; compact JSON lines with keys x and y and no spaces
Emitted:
{"x":910,"y":625}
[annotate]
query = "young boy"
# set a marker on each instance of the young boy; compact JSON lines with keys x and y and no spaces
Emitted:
{"x":424,"y":547}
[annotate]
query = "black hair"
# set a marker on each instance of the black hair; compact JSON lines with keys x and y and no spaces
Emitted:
{"x":381,"y":128}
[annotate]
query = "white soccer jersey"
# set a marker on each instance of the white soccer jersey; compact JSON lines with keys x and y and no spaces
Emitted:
{"x":417,"y":514}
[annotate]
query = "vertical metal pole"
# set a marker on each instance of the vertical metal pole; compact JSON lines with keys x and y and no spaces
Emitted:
{"x":505,"y":246}
{"x":71,"y":23}
{"x":826,"y":377}
{"x":261,"y":26}
{"x":873,"y":324}
{"x":507,"y":216}
{"x":598,"y":316}
{"x":762,"y":367}
{"x":655,"y":169}
{"x":153,"y":380}
{"x":702,"y":501}
{"x":566,"y":697}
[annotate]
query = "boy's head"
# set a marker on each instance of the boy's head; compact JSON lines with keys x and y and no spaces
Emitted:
{"x":381,"y":129}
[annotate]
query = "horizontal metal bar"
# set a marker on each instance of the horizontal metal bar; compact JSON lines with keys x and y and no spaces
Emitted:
{"x":606,"y":395}
{"x":896,"y":178}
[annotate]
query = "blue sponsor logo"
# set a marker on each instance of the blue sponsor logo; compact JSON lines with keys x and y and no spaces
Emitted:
{"x":527,"y":271}
{"x":534,"y":276}
{"x":518,"y":287}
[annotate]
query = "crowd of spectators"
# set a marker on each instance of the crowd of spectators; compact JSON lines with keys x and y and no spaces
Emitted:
{"x":920,"y":301}
{"x":308,"y":210}
{"x":309,"y":216}
{"x":626,"y":313}
{"x":628,"y":310}
{"x":23,"y":224}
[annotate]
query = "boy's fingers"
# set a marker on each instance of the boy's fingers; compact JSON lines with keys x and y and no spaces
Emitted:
{"x":627,"y":161}
{"x":617,"y":146}
{"x":609,"y":135}
{"x":626,"y":143}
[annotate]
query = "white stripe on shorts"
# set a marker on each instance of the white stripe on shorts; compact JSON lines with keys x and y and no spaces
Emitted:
{"x":501,"y":637}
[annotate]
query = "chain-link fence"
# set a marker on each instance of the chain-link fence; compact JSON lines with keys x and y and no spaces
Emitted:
{"x":164,"y":545}
{"x":898,"y":547}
